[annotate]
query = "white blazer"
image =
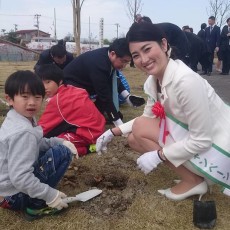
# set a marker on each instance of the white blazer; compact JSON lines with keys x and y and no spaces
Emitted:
{"x":190,"y":99}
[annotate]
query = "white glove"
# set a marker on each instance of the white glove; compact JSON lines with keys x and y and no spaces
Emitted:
{"x":71,"y":147}
{"x":103,"y":140}
{"x":103,"y":150}
{"x":148,"y":161}
{"x":118,"y":122}
{"x":58,"y":202}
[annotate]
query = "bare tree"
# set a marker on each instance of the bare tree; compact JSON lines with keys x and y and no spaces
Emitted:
{"x":220,"y":10}
{"x":77,"y":5}
{"x":134,"y":8}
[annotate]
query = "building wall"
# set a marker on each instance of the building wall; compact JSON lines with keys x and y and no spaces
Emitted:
{"x":29,"y":35}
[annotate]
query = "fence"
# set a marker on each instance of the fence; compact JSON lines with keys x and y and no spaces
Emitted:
{"x":9,"y":52}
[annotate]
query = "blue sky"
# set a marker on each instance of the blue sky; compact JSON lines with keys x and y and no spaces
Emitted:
{"x":21,"y":12}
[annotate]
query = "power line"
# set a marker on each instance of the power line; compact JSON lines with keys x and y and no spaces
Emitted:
{"x":16,"y":15}
{"x":58,"y":19}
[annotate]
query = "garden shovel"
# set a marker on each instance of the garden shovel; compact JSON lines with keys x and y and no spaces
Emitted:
{"x":84,"y":196}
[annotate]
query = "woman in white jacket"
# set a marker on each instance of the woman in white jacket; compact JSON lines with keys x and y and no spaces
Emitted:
{"x":185,"y":124}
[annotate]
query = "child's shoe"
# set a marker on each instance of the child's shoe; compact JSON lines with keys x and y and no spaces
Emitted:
{"x":92,"y":148}
{"x":34,"y":214}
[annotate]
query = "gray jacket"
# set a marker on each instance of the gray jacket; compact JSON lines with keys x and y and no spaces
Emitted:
{"x":20,"y":144}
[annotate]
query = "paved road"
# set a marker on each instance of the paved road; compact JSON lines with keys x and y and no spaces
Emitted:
{"x":221,"y":84}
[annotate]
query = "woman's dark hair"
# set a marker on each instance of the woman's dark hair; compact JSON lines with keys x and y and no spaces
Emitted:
{"x":145,"y":31}
{"x":51,"y":72}
{"x":23,"y":80}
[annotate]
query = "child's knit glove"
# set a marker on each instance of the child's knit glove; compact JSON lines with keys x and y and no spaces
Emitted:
{"x":71,"y":147}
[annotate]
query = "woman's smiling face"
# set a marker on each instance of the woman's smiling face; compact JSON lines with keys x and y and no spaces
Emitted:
{"x":150,"y":56}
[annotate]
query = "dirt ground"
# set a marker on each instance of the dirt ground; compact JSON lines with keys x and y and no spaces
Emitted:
{"x":129,"y":199}
{"x":109,"y":173}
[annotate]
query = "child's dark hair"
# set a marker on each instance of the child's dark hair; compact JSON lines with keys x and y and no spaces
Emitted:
{"x":120,"y":47}
{"x":23,"y":80}
{"x":51,"y":72}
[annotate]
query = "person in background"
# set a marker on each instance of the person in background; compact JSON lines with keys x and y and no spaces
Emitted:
{"x":125,"y":84}
{"x":57,"y":54}
{"x":185,"y":130}
{"x":96,"y":72}
{"x":138,"y":18}
{"x":219,"y":61}
{"x":30,"y":166}
{"x":186,"y":28}
{"x":175,"y":37}
{"x":69,"y":113}
{"x":212,"y":39}
{"x":201,"y":35}
{"x":225,"y":48}
{"x":198,"y":52}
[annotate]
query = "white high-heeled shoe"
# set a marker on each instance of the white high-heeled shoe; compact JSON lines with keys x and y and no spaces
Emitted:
{"x":177,"y":181}
{"x":209,"y":183}
{"x":199,"y":189}
{"x":226,"y":191}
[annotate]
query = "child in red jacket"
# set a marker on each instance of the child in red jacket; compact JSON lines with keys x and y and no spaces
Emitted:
{"x":69,"y":113}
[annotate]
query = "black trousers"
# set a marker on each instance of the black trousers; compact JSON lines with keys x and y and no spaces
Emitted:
{"x":210,"y":61}
{"x":226,"y":60}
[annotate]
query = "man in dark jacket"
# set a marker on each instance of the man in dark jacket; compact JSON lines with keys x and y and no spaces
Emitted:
{"x":57,"y":54}
{"x":198,"y":51}
{"x":212,"y":38}
{"x":201,"y":33}
{"x":225,"y":47}
{"x":176,"y":39}
{"x":95,"y":71}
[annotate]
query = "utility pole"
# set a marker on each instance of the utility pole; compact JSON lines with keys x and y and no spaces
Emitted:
{"x":89,"y":36}
{"x":101,"y":32}
{"x":117,"y":25}
{"x":37,"y":25}
{"x":15,"y":27}
{"x":55,"y":29}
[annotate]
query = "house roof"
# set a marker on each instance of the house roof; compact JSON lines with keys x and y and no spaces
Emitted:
{"x":29,"y":31}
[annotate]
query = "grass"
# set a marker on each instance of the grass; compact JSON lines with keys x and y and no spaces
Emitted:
{"x":148,"y":209}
